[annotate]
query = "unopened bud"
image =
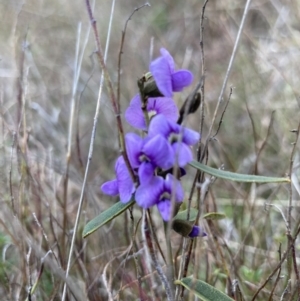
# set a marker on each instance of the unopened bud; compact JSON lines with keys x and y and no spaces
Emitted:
{"x":190,"y":106}
{"x":182,"y":227}
{"x":151,"y":90}
{"x":186,"y":229}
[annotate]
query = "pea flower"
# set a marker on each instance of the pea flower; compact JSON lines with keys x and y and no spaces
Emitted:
{"x":158,"y":192}
{"x":158,"y":105}
{"x":145,"y":154}
{"x":122,"y":185}
{"x":181,"y":138}
{"x":167,"y":79}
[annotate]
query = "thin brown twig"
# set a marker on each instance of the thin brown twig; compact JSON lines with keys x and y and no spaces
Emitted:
{"x":108,"y":82}
{"x":203,"y":74}
{"x":277,"y":278}
{"x":185,"y":260}
{"x":295,"y":267}
{"x":254,"y":132}
{"x":20,"y":81}
{"x":155,"y":237}
{"x":135,"y":250}
{"x":220,"y":99}
{"x":264,"y":142}
{"x":223,"y":113}
{"x":150,"y":246}
{"x":186,"y":263}
{"x":77,"y":139}
{"x":45,"y":236}
{"x":121,"y":51}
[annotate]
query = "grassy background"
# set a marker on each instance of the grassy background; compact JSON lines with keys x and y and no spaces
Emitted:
{"x":37,"y":55}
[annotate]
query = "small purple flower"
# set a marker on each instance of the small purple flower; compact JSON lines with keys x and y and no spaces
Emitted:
{"x":167,"y":79}
{"x":147,"y":154}
{"x":158,"y":105}
{"x":172,"y":131}
{"x":196,"y":232}
{"x":122,"y":185}
{"x":159,"y":192}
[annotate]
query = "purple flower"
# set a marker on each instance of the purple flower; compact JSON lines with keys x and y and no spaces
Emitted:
{"x":147,"y":154}
{"x":159,"y":192}
{"x":122,"y":185}
{"x":167,"y":79}
{"x":197,"y":231}
{"x":158,"y":105}
{"x":172,"y":131}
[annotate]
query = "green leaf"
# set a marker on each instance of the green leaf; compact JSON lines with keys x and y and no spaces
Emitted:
{"x":105,"y":217}
{"x":214,"y":216}
{"x":227,"y":175}
{"x":183,"y":214}
{"x":203,"y":290}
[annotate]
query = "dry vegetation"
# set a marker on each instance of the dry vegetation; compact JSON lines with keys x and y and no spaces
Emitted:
{"x":41,"y":185}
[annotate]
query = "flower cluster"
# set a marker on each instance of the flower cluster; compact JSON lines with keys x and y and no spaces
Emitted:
{"x":165,"y":145}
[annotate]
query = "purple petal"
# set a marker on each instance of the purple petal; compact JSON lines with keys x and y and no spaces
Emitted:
{"x":174,"y":127}
{"x":110,"y":187}
{"x":159,"y":125}
{"x":125,"y":183}
{"x":164,"y":207}
{"x":134,"y":144}
{"x":160,"y":152}
{"x":166,"y":54}
{"x":182,"y":153}
{"x":197,"y":231}
{"x":181,"y":79}
{"x":190,"y":137}
{"x":160,"y":70}
{"x":147,"y":195}
{"x":134,"y":114}
{"x":146,"y":172}
{"x":170,"y":183}
{"x":165,"y":106}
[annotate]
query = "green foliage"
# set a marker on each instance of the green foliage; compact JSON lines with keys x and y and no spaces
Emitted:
{"x":250,"y":275}
{"x":105,"y":217}
{"x":203,"y":290}
{"x":119,"y":208}
{"x":214,"y":216}
{"x":183,"y":215}
{"x":227,"y":175}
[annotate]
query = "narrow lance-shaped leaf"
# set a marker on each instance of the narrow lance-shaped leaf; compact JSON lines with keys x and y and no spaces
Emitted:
{"x":183,"y":214}
{"x":203,"y":290}
{"x":105,"y":217}
{"x":227,"y":175}
{"x":214,"y":216}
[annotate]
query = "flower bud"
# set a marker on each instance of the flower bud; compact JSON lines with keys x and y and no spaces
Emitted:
{"x":186,"y":229}
{"x":190,"y":106}
{"x":150,"y":89}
